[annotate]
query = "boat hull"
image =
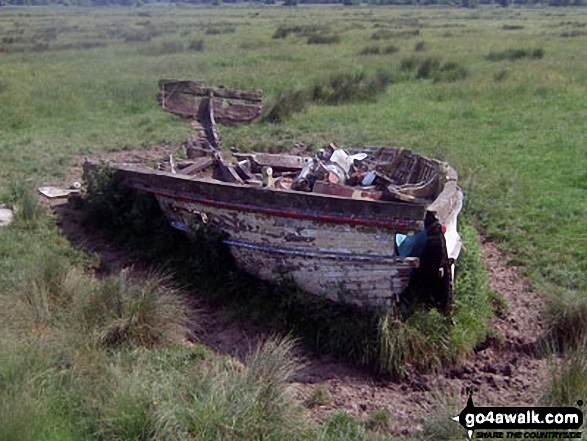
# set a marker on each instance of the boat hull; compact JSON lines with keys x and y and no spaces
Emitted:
{"x":342,"y":262}
{"x":339,"y":248}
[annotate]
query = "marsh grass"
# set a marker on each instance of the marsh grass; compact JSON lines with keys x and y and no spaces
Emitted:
{"x":432,"y":68}
{"x":166,"y":47}
{"x":568,"y":381}
{"x":391,"y":49}
{"x":567,"y":316}
{"x":516,"y":54}
{"x":348,"y":87}
{"x":302,"y":30}
{"x":212,"y":30}
{"x":323,"y":39}
{"x":385,"y":34}
{"x":285,"y":104}
{"x":338,"y":89}
{"x":440,"y":424}
{"x":370,"y":50}
{"x":28,"y":211}
{"x":420,"y":46}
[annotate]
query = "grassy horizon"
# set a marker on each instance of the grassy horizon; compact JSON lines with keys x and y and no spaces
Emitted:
{"x":77,"y":81}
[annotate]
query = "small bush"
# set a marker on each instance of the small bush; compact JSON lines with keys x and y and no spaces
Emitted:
{"x":370,"y":50}
{"x":196,"y":45}
{"x":323,"y":39}
{"x":516,"y":54}
{"x":420,"y":46}
{"x":512,"y":27}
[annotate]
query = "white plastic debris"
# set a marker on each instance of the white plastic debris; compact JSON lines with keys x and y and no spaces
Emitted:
{"x":54,"y":192}
{"x":6,"y":216}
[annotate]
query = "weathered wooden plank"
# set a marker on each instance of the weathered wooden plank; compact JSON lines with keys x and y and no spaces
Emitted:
{"x":197,"y":165}
{"x":397,"y":216}
{"x":278,"y":162}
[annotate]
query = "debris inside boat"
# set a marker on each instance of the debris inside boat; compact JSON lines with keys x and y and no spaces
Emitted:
{"x":366,"y":226}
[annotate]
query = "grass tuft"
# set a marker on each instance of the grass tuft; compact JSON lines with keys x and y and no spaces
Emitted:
{"x":323,"y":39}
{"x":433,"y":68}
{"x":122,"y":312}
{"x":516,"y":54}
{"x":379,"y":421}
{"x":568,"y":382}
{"x":370,"y":50}
{"x":341,"y":426}
{"x":391,"y":49}
{"x":338,"y":89}
{"x":501,"y":75}
{"x":440,"y":424}
{"x":320,"y":397}
{"x":567,"y":315}
{"x":346,"y":87}
{"x":29,"y":210}
{"x":213,"y":30}
{"x":285,"y":104}
{"x":420,"y":46}
{"x":196,"y":45}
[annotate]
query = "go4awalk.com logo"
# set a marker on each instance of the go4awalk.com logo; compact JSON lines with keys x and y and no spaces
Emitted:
{"x":521,"y":422}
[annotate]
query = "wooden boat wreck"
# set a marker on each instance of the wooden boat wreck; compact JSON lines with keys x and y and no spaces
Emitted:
{"x":357,"y":228}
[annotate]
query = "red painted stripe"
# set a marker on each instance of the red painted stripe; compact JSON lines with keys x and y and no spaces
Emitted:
{"x":397,"y":225}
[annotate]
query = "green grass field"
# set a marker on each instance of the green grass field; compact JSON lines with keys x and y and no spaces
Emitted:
{"x":498,"y":92}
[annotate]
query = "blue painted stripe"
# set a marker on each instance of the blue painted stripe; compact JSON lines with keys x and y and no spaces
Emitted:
{"x":313,"y":253}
